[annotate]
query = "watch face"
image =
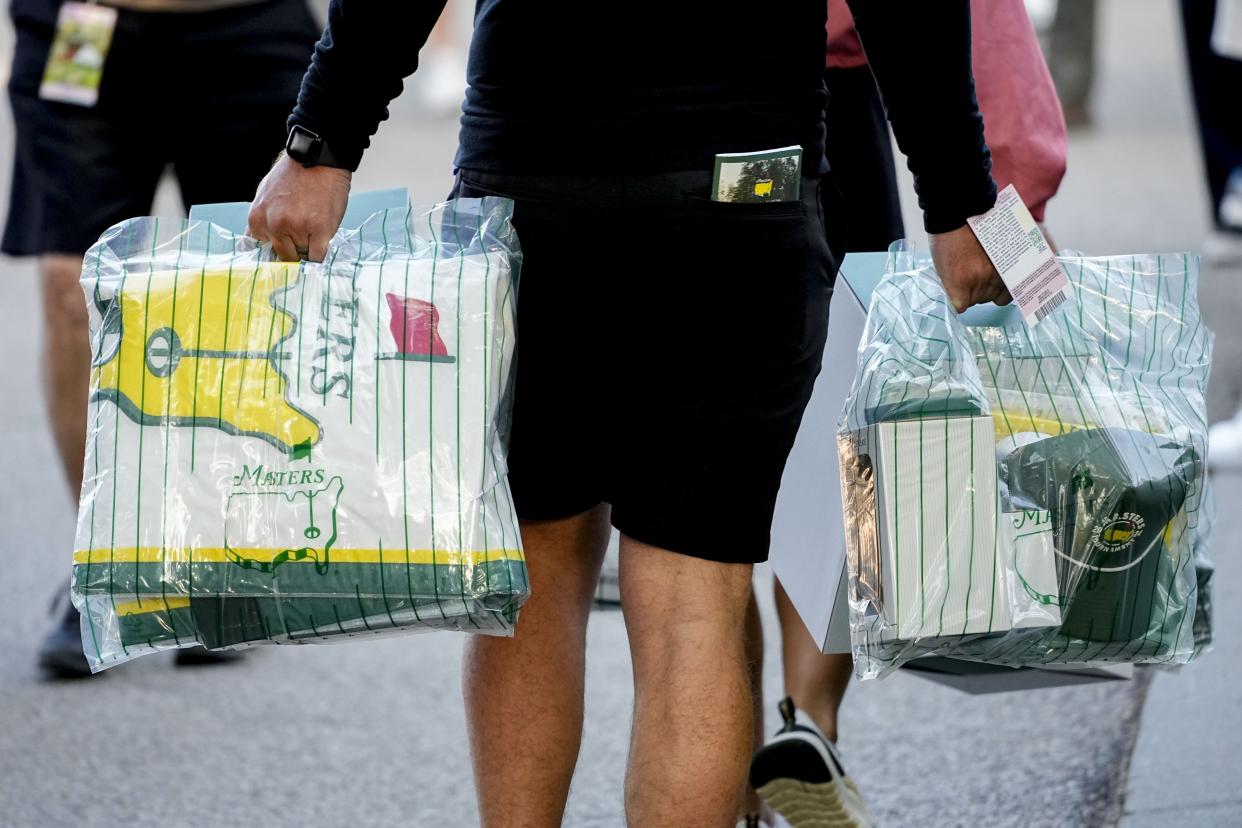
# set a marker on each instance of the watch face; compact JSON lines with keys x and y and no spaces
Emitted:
{"x":303,"y":145}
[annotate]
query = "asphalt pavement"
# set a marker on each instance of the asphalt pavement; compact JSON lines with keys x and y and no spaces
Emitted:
{"x":372,"y":733}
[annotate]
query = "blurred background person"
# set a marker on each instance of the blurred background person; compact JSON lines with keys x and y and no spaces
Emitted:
{"x":1026,"y":133}
{"x":1071,"y":57}
{"x":1213,"y":32}
{"x":201,"y":86}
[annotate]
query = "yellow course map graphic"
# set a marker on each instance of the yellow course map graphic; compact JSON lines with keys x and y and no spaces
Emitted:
{"x":203,"y":349}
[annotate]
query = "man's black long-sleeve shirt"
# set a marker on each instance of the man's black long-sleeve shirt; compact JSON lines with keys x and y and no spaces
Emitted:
{"x":565,"y":87}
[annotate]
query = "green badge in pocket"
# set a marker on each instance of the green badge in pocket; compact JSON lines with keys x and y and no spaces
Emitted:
{"x":75,"y":63}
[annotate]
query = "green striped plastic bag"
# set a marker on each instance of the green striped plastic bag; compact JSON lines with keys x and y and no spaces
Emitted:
{"x":305,"y":452}
{"x":1030,"y":496}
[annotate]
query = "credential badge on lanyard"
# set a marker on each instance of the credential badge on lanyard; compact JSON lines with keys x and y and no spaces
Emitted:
{"x":75,"y":64}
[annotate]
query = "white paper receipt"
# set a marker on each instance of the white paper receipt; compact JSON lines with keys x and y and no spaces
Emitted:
{"x":1020,"y":253}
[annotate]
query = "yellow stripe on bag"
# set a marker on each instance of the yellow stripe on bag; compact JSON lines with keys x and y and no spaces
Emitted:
{"x":151,"y":605}
{"x":156,"y":554}
{"x":1009,"y":423}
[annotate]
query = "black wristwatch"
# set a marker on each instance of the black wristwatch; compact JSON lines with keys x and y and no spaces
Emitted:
{"x":309,"y":150}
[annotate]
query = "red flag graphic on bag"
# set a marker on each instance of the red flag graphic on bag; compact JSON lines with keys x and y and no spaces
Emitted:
{"x":415,"y":328}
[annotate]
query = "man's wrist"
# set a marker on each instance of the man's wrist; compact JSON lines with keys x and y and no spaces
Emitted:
{"x":340,"y":171}
{"x":308,"y":148}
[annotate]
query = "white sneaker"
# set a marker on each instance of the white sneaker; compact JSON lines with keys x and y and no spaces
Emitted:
{"x":800,"y":774}
{"x":1223,"y":249}
{"x":1225,"y":444}
{"x":1230,"y":209}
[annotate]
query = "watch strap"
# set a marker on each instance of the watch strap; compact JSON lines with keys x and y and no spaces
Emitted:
{"x":310,"y":150}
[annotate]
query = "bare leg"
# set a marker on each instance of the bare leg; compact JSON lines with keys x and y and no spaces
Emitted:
{"x":66,"y":361}
{"x":693,"y":730}
{"x":66,"y":380}
{"x":816,"y":682}
{"x":524,"y":694}
{"x":754,"y":663}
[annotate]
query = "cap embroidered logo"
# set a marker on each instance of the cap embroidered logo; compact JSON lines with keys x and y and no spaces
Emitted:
{"x":1118,"y":534}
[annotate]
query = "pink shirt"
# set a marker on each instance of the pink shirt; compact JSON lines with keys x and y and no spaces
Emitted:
{"x":1023,"y":124}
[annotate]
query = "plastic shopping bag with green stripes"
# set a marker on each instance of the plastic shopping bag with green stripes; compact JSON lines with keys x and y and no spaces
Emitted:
{"x":1024,"y":495}
{"x":288,"y":453}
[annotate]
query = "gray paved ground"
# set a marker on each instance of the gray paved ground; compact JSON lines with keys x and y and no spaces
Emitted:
{"x":372,"y":733}
{"x":1184,"y":767}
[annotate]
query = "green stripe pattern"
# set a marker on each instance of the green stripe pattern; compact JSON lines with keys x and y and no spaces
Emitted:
{"x":396,"y":355}
{"x":1128,"y":357}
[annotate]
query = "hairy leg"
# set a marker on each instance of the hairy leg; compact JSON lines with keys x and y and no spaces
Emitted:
{"x":524,"y":694}
{"x":693,"y":721}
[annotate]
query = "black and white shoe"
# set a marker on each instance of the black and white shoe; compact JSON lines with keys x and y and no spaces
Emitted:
{"x":800,"y":774}
{"x":60,"y":654}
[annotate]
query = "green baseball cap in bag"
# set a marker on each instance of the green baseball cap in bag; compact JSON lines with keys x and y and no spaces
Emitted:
{"x":1112,"y":493}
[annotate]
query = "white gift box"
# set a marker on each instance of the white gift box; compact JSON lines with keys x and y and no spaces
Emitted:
{"x":928,"y":533}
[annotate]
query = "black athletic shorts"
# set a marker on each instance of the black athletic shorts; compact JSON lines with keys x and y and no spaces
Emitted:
{"x":667,"y":345}
{"x":206,"y":92}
